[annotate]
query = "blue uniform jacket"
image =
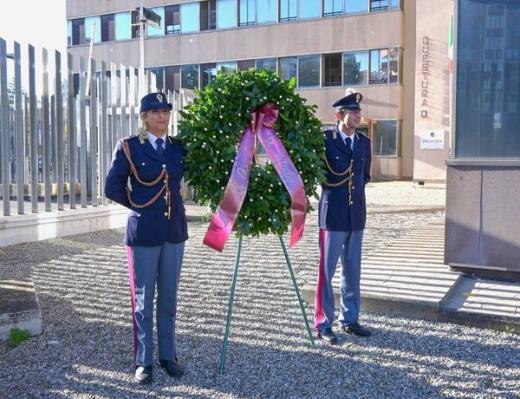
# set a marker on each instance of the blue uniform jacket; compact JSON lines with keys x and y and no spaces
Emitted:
{"x":335,"y":211}
{"x":149,"y":226}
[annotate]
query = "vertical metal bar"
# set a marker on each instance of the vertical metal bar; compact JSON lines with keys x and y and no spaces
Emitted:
{"x":124,"y":128}
{"x":59,"y":131}
{"x":52,"y":145}
{"x":83,"y":135}
{"x":132,"y":127}
{"x":297,"y":290}
{"x":18,"y":129}
{"x":93,"y":133}
{"x":4,"y":130}
{"x":34,"y":132}
{"x":223,"y":352}
{"x":114,"y":97}
{"x":71,"y":131}
{"x":46,"y":148}
{"x":103,"y":142}
{"x":27,"y":140}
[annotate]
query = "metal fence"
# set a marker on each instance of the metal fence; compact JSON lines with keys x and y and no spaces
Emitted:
{"x":56,"y":147}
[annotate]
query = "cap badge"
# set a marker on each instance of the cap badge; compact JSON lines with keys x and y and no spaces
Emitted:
{"x":159,"y":97}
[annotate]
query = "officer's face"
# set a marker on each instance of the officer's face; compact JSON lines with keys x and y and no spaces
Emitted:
{"x":351,"y":119}
{"x":157,"y":121}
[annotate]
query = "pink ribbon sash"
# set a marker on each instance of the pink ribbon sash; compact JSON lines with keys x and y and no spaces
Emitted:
{"x":262,"y":123}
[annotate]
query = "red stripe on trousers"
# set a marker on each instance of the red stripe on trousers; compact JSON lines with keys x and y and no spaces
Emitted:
{"x":319,"y":314}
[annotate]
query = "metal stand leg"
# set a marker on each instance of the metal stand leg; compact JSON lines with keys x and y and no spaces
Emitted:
{"x":230,"y":309}
{"x":296,"y":289}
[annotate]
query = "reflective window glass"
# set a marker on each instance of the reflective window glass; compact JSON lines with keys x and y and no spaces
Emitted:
{"x":123,"y":22}
{"x":309,"y":71}
{"x":190,"y":76}
{"x":190,"y":17}
{"x":226,"y":14}
{"x":355,"y":68}
{"x":288,"y":67}
{"x":152,"y":30}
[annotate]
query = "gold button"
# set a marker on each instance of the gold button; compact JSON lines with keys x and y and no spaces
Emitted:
{"x":351,"y":202}
{"x":353,"y":187}
{"x":352,"y":173}
{"x":165,"y":181}
{"x":164,"y":165}
{"x":165,"y":213}
{"x":165,"y":197}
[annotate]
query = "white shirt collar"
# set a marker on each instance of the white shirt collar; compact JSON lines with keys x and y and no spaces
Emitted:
{"x":153,"y":138}
{"x":352,"y":138}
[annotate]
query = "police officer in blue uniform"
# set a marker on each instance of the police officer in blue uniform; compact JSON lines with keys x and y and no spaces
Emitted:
{"x":342,"y":215}
{"x":145,"y":177}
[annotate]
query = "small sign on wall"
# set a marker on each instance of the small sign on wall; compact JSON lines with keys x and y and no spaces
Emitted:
{"x":432,"y":139}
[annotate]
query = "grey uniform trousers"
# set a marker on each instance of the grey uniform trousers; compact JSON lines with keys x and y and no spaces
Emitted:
{"x":150,"y":267}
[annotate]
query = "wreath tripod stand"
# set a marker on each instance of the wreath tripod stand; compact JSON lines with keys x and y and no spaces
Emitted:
{"x":223,"y":352}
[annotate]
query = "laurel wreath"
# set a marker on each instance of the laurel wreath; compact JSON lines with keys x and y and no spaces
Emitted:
{"x":211,"y":128}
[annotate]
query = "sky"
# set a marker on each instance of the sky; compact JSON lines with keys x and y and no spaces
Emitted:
{"x":41,"y":23}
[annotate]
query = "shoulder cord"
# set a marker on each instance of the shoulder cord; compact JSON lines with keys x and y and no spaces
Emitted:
{"x":163,"y":174}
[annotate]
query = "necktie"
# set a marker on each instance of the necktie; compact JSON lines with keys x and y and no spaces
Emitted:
{"x":348,"y":143}
{"x":159,"y":148}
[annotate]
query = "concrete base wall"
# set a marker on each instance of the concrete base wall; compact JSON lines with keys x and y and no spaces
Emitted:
{"x":27,"y":228}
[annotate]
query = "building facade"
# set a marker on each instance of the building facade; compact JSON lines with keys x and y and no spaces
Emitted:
{"x":374,"y":46}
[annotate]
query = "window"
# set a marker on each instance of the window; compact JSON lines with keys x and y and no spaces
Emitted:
{"x":385,"y":138}
{"x":244,"y":65}
{"x":123,"y":21}
{"x":135,"y":24}
{"x":310,"y":9}
{"x":172,"y":19}
{"x":309,"y":71}
{"x":208,"y":72}
{"x":378,"y":66}
{"x":288,"y":67}
{"x":267,"y":63}
{"x":226,"y":67}
{"x":172,"y":78}
{"x":108,"y":28}
{"x":266,"y":11}
{"x":226,"y":14}
{"x":332,"y":7}
{"x":208,"y":15}
{"x":355,"y":68}
{"x":395,"y":60}
{"x":247,"y":12}
{"x":190,"y":76}
{"x":190,"y":17}
{"x":152,"y":30}
{"x":378,"y":5}
{"x":288,"y":10}
{"x":356,"y":6}
{"x":69,"y":33}
{"x":78,"y":31}
{"x":92,"y":29}
{"x":158,"y":76}
{"x":396,"y":4}
{"x":332,"y":69}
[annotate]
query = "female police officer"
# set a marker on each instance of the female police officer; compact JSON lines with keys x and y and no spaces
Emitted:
{"x":155,"y":231}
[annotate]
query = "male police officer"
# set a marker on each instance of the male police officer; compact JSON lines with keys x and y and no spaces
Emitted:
{"x":342,"y":215}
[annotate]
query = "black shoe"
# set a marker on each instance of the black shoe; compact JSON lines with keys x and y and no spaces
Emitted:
{"x":357,"y":329}
{"x":172,"y":367}
{"x":328,"y":336}
{"x":143,"y":375}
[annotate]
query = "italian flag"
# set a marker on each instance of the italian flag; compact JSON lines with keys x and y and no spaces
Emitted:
{"x":450,"y":46}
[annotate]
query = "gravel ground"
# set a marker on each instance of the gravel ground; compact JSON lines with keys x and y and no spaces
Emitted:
{"x":85,"y":349}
